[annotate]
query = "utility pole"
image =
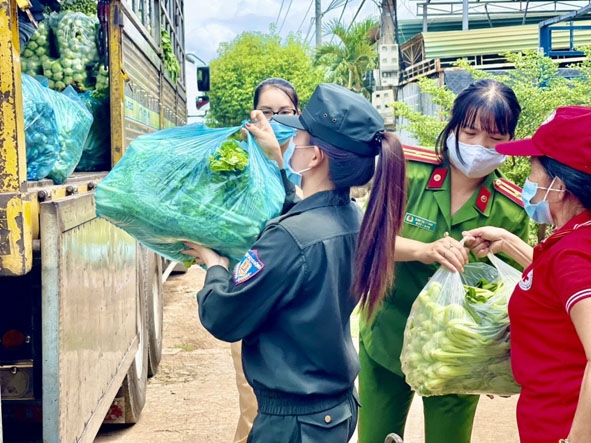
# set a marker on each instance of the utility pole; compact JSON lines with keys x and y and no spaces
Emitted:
{"x":387,"y":23}
{"x":465,"y":15}
{"x":318,"y":23}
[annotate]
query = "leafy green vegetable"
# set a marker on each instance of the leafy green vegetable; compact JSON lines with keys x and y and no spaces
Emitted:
{"x":87,"y":7}
{"x":101,"y":91}
{"x":459,"y":347}
{"x":229,"y":157}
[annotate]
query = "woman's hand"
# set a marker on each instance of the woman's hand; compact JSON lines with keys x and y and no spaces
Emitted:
{"x":447,"y":251}
{"x":486,"y":239}
{"x":205,"y":256}
{"x":491,"y":239}
{"x":265,"y":137}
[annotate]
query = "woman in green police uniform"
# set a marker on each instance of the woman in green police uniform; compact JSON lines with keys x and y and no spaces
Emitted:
{"x":455,"y":188}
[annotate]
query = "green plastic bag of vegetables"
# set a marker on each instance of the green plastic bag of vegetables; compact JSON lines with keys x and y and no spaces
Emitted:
{"x":192,"y":183}
{"x":456,"y":339}
{"x":41,"y":132}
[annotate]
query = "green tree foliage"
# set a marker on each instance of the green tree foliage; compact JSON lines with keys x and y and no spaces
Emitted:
{"x":249,"y":59}
{"x":351,"y":56}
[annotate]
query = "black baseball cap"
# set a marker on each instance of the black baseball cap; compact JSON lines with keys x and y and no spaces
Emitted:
{"x":340,"y":117}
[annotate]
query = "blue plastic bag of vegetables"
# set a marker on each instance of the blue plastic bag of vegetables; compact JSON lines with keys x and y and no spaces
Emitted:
{"x":41,"y":132}
{"x":73,"y":123}
{"x":192,"y":183}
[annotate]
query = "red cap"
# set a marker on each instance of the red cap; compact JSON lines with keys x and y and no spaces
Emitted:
{"x":565,"y":137}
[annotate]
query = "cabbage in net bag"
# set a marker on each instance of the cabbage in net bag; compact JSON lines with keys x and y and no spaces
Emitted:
{"x":192,"y":183}
{"x":456,"y":339}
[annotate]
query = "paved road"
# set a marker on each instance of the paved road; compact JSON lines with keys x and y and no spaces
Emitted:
{"x":193,"y":399}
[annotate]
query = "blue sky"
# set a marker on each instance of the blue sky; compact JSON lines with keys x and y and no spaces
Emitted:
{"x":210,"y":22}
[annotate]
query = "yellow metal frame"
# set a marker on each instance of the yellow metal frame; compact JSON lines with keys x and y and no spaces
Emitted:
{"x":15,"y":204}
{"x":117,"y":78}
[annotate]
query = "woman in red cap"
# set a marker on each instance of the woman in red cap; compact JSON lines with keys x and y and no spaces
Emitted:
{"x":550,"y":309}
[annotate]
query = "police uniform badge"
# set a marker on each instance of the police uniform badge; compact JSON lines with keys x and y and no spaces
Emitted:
{"x":248,"y":267}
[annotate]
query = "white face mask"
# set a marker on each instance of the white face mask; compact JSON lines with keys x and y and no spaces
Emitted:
{"x":478,"y":161}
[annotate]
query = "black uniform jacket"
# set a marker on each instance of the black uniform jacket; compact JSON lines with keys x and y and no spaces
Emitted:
{"x":289,"y":299}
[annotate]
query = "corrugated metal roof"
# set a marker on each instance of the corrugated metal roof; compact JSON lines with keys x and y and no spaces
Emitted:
{"x":450,"y":44}
{"x":409,"y":28}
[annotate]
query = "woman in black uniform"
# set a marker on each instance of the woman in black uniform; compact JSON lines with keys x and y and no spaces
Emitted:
{"x":290,"y":298}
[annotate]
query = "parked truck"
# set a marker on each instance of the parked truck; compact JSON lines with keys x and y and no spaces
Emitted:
{"x":81,"y":300}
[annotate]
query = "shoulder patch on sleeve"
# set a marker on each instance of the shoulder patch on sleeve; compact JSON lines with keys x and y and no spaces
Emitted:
{"x":423,"y":155}
{"x":248,"y":267}
{"x":509,"y":190}
{"x":437,"y":178}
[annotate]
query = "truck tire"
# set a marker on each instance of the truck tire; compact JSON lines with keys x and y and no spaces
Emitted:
{"x":155,"y":297}
{"x":136,"y":381}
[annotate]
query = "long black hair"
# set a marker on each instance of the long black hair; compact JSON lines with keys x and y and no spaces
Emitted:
{"x":374,"y":257}
{"x":382,"y":221}
{"x":492,"y":103}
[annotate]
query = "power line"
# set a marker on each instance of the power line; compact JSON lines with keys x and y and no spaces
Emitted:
{"x":308,"y":36}
{"x":343,"y":11}
{"x":405,"y":4}
{"x":305,"y":15}
{"x":285,"y":16}
{"x":333,"y":4}
{"x":356,"y":14}
{"x":279,"y":14}
{"x":340,"y":18}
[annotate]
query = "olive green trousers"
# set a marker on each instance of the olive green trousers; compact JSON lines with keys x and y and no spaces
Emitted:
{"x":385,"y":401}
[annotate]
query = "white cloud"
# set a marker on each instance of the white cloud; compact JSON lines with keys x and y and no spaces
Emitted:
{"x":265,"y":7}
{"x":204,"y":39}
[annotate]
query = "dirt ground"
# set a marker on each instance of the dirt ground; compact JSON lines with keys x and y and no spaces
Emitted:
{"x":193,"y":397}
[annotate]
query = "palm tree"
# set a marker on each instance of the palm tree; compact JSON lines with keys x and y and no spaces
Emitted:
{"x":354,"y":54}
